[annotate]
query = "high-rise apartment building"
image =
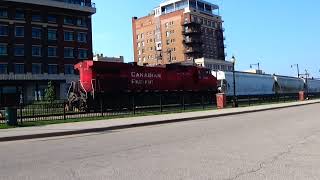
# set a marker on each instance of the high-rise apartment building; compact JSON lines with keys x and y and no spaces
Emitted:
{"x":179,"y":31}
{"x":40,"y":41}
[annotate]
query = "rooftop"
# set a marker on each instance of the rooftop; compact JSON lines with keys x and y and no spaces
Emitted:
{"x":169,"y":6}
{"x":78,"y":5}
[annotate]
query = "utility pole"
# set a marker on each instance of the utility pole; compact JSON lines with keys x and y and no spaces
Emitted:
{"x":258,"y":64}
{"x":235,"y":101}
{"x":298,"y":70}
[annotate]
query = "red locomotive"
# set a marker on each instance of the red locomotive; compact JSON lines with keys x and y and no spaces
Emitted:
{"x":116,"y":83}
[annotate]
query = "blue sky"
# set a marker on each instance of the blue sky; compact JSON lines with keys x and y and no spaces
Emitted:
{"x":274,"y":33}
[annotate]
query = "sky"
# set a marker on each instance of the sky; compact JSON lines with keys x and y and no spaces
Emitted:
{"x":274,"y":33}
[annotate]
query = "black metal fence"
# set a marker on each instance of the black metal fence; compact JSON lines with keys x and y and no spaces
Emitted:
{"x":59,"y":111}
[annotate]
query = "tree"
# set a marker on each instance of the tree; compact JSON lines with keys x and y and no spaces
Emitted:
{"x":50,"y":94}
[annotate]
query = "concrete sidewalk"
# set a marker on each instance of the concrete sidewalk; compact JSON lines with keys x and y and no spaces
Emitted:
{"x":121,"y":123}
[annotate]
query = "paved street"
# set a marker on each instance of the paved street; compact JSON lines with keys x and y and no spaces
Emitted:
{"x":278,"y":144}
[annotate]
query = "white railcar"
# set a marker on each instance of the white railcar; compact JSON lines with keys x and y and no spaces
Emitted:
{"x":313,"y":85}
{"x":288,"y":85}
{"x":246,"y":83}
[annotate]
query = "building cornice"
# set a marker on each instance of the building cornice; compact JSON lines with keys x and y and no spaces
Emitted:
{"x":57,"y":4}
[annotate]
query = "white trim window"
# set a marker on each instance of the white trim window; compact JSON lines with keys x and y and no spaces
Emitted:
{"x":36,"y":68}
{"x":83,"y":54}
{"x":36,"y":51}
{"x":3,"y":49}
{"x":19,"y":50}
{"x":52,"y":34}
{"x":52,"y":51}
{"x":19,"y":14}
{"x":52,"y":69}
{"x":68,"y":69}
{"x":19,"y":68}
{"x":82,"y":37}
{"x":3,"y":13}
{"x":4,"y":30}
{"x":3,"y":68}
{"x":68,"y":20}
{"x":68,"y":36}
{"x":19,"y":31}
{"x":36,"y":33}
{"x":68,"y":52}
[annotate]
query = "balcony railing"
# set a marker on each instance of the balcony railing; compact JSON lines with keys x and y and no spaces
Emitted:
{"x":191,"y":31}
{"x":192,"y":41}
{"x":193,"y":51}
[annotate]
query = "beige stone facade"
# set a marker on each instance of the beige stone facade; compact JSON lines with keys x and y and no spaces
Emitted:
{"x":178,"y":35}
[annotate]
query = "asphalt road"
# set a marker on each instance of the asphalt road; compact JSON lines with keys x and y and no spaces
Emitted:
{"x":278,"y":144}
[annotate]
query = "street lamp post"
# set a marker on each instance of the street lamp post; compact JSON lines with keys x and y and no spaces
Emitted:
{"x":298,"y":70}
{"x":258,"y":64}
{"x":235,"y":101}
{"x":307,"y":88}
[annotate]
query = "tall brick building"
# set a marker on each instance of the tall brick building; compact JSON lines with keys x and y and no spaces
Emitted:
{"x":178,"y":31}
{"x":40,"y":41}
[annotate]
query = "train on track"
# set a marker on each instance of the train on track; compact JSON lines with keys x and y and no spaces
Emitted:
{"x":249,"y":84}
{"x":116,"y":84}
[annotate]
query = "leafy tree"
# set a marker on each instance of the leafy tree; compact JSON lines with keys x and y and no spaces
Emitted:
{"x":50,"y":94}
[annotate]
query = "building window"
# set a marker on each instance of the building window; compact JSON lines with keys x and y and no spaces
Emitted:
{"x":3,"y":13}
{"x":68,"y":35}
{"x":82,"y":22}
{"x":36,"y":17}
{"x":68,"y":53}
{"x":82,"y":37}
{"x":52,"y":18}
{"x":68,"y":21}
{"x":19,"y":14}
{"x":83,"y":53}
{"x":3,"y":49}
{"x":3,"y":68}
{"x":19,"y":50}
{"x":52,"y":34}
{"x":3,"y":30}
{"x":52,"y":69}
{"x":68,"y":69}
{"x":19,"y":31}
{"x":36,"y":51}
{"x":52,"y":51}
{"x":19,"y":68}
{"x":36,"y":68}
{"x":36,"y":33}
{"x":167,"y":33}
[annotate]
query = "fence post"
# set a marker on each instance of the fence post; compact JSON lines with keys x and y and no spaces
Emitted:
{"x":202,"y":101}
{"x":183,"y":102}
{"x":101,"y":106}
{"x":161,"y":108}
{"x":21,"y":119}
{"x":133,"y":105}
{"x":64,"y":110}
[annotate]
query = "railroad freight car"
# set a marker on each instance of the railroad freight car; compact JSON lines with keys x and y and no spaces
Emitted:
{"x":288,"y":85}
{"x":312,"y":86}
{"x":246,"y":83}
{"x":249,"y":84}
{"x":116,"y":83}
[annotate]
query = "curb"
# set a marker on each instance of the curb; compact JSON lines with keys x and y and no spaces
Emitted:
{"x":127,"y":126}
